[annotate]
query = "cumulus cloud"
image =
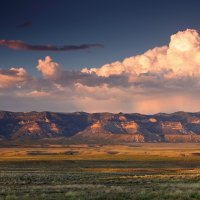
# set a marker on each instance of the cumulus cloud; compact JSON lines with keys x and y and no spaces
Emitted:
{"x":163,"y":79}
{"x":48,"y":68}
{"x":14,"y":77}
{"x":180,"y":58}
{"x":20,"y":45}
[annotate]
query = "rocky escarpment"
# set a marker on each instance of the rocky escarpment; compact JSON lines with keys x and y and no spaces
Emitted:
{"x":100,"y":127}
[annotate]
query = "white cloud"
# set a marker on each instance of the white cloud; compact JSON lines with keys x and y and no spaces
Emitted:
{"x":181,"y":57}
{"x":163,"y":79}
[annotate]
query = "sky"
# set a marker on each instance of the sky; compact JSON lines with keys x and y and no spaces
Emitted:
{"x":100,"y":55}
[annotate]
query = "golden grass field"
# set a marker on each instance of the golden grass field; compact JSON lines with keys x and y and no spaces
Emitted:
{"x":142,"y":151}
{"x":135,"y":171}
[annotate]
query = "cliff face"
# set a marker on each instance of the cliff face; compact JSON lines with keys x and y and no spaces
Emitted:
{"x":101,"y":127}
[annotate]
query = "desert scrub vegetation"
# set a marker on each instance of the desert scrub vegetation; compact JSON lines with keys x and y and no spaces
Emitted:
{"x":138,"y":172}
{"x":99,"y":180}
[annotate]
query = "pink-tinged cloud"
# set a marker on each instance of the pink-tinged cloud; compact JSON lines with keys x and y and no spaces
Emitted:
{"x":181,"y":58}
{"x":37,"y":93}
{"x":163,"y":79}
{"x":20,"y":45}
{"x":14,"y":77}
{"x":48,"y":68}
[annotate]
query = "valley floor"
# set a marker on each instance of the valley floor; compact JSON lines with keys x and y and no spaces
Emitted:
{"x":135,"y":171}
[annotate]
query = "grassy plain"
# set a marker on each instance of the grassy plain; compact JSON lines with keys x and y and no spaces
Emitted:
{"x":135,"y":171}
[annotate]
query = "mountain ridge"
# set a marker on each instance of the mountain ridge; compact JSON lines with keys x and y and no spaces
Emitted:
{"x":100,"y":127}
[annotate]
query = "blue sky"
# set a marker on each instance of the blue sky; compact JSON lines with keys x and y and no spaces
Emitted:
{"x":100,"y":55}
{"x":124,"y":27}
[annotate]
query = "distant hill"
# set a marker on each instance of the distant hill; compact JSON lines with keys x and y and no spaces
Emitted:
{"x":81,"y":127}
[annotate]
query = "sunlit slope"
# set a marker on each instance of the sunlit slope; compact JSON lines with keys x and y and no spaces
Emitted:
{"x":99,"y":127}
